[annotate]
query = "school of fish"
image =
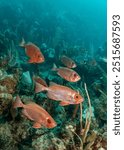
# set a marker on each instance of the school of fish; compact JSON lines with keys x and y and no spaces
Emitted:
{"x":54,"y":91}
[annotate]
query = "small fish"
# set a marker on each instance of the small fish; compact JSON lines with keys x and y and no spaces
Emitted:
{"x":33,"y":52}
{"x":68,"y":62}
{"x":67,"y":74}
{"x":35,"y":113}
{"x":40,"y":80}
{"x":61,"y":93}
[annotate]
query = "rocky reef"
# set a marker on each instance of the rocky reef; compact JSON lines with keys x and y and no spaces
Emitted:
{"x":76,"y":128}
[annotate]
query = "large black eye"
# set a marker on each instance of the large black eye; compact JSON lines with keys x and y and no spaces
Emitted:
{"x":48,"y":121}
{"x":75,"y":75}
{"x":76,"y":97}
{"x":38,"y":56}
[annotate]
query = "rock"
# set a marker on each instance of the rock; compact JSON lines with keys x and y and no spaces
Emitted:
{"x":26,"y":78}
{"x":26,"y":84}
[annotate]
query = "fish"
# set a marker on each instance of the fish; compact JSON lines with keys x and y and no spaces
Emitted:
{"x":33,"y":52}
{"x":61,"y":93}
{"x":67,"y":74}
{"x":40,"y":80}
{"x":68,"y":62}
{"x":36,"y":113}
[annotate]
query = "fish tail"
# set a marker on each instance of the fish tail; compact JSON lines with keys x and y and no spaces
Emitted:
{"x":54,"y":67}
{"x":18,"y":102}
{"x":22,"y":43}
{"x":39,"y":87}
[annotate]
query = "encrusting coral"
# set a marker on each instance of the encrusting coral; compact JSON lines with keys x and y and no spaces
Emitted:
{"x":6,"y":138}
{"x":67,"y":134}
{"x":7,"y":89}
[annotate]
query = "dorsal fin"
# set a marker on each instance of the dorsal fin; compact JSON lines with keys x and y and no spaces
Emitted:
{"x":54,"y":68}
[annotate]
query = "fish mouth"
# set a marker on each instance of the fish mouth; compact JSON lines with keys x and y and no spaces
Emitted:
{"x":52,"y":126}
{"x":40,"y":60}
{"x":77,"y":79}
{"x":80,"y":101}
{"x":74,"y":66}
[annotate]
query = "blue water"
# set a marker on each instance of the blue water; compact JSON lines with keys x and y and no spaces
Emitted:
{"x":79,"y":20}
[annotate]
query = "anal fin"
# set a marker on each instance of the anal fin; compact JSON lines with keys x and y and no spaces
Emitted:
{"x":36,"y":125}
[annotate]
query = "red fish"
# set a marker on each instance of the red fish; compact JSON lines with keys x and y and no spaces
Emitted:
{"x":61,"y":93}
{"x":68,"y":62}
{"x":67,"y":74}
{"x":35,"y":113}
{"x":33,"y":52}
{"x":40,"y":80}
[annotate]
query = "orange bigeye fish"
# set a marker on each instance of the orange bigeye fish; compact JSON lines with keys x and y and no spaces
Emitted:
{"x":61,"y":93}
{"x":35,"y":113}
{"x":67,"y":74}
{"x":33,"y":52}
{"x":68,"y":62}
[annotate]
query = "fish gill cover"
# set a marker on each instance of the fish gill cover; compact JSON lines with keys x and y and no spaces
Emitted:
{"x":53,"y":75}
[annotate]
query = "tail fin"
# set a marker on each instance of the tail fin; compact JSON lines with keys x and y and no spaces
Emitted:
{"x":39,"y":87}
{"x":40,"y":80}
{"x":54,"y":67}
{"x":22,"y":43}
{"x":18,"y":103}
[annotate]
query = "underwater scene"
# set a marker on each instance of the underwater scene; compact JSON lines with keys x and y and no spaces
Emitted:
{"x":53,"y":75}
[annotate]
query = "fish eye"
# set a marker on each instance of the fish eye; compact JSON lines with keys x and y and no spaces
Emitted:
{"x":38,"y":56}
{"x":76,"y":97}
{"x":48,"y":120}
{"x":75,"y":75}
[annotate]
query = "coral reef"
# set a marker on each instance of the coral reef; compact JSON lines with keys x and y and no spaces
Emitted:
{"x":79,"y":127}
{"x":85,"y":129}
{"x":48,"y":141}
{"x":7,"y":89}
{"x":6,"y":138}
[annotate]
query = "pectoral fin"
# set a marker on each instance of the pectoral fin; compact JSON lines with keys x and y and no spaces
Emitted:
{"x":64,"y":103}
{"x":36,"y":125}
{"x":26,"y":115}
